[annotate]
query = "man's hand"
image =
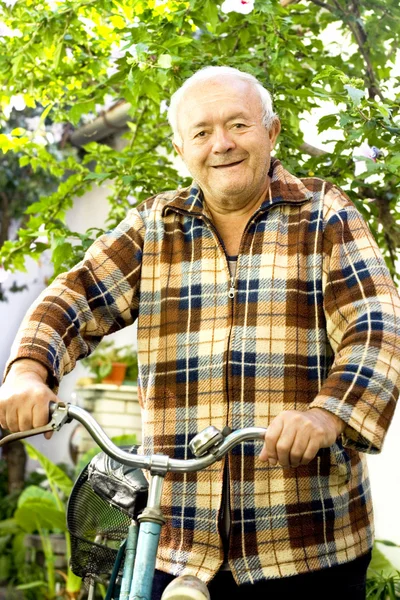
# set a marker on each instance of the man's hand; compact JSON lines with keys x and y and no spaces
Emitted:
{"x":294,"y":437}
{"x":25,"y":397}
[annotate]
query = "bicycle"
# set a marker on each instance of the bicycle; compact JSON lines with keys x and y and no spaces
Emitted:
{"x":141,"y":544}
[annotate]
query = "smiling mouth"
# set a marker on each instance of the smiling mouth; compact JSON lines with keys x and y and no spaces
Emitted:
{"x":228,"y":166}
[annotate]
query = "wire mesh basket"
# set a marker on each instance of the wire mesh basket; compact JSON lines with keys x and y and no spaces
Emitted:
{"x":97,"y":530}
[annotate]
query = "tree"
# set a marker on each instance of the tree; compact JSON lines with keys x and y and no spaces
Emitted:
{"x":65,"y":58}
{"x":20,"y":185}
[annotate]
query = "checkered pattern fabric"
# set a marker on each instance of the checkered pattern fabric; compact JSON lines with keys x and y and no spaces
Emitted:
{"x":314,"y":321}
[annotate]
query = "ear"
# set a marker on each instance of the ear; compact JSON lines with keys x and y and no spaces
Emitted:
{"x":178,"y":149}
{"x":274,"y":131}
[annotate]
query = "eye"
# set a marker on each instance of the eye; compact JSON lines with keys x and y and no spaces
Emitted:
{"x":239,"y":125}
{"x":200,"y":134}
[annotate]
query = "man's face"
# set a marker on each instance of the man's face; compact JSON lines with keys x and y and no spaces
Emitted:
{"x":225,"y":146}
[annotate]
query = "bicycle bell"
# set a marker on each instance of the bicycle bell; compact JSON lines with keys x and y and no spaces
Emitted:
{"x":206,"y":440}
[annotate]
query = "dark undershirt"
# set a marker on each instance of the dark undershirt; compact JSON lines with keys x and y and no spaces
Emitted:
{"x":225,"y":515}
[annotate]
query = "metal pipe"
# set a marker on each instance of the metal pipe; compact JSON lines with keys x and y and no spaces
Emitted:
{"x":155,"y":491}
{"x":111,"y":121}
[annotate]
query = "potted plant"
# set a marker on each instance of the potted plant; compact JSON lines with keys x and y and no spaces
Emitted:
{"x":111,"y":364}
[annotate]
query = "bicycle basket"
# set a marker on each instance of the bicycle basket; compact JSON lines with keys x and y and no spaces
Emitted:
{"x":96,"y":530}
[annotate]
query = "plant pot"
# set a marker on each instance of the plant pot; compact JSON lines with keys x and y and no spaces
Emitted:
{"x":117,"y":375}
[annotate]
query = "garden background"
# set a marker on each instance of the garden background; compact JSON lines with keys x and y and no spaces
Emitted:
{"x":84,"y":87}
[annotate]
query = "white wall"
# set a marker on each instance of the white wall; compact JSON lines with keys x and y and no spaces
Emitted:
{"x":385,"y":483}
{"x":89,"y":211}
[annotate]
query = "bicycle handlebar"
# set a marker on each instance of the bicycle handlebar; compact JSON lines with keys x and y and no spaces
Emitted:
{"x":156,"y":463}
{"x":160,"y":462}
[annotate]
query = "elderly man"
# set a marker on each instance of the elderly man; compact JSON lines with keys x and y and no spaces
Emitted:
{"x":261,"y":299}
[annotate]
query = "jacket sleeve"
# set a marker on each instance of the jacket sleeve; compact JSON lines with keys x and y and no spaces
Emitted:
{"x":97,"y":297}
{"x":362,"y":311}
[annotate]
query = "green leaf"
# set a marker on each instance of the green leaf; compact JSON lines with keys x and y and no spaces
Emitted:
{"x":18,"y":549}
{"x":328,"y":72}
{"x":124,"y":440}
{"x":8,"y":526}
{"x":327,"y":122}
{"x":127,"y":179}
{"x":62,"y":252}
{"x":45,"y":113}
{"x":151,"y":90}
{"x":59,"y":55}
{"x":18,"y":131}
{"x":31,"y":585}
{"x":178,"y":41}
{"x":74,"y":583}
{"x":53,"y":473}
{"x":40,"y":513}
{"x":355,"y":94}
{"x":164,"y":61}
{"x":387,"y":543}
{"x":80,"y":109}
{"x":211,"y":12}
{"x":16,"y":64}
{"x":34,"y":492}
{"x":100,"y":177}
{"x":118,"y":22}
{"x":5,"y":567}
{"x":5,"y":143}
{"x":380,"y":564}
{"x":23,"y":161}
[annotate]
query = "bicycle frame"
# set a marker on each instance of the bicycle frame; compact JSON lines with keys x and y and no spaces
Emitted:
{"x":141,"y":547}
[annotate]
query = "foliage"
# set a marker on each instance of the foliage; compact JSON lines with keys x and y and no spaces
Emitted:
{"x":20,"y":186}
{"x":40,"y":507}
{"x":41,"y":511}
{"x":68,"y":58}
{"x":12,"y":551}
{"x":383,"y":580}
{"x":101,"y":360}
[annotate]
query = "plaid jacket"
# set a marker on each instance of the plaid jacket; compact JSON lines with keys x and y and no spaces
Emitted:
{"x":314,"y":321}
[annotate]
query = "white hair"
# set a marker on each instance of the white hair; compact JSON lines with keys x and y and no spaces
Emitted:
{"x":268,"y":117}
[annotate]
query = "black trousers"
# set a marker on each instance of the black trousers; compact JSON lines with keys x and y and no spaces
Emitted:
{"x":346,"y":582}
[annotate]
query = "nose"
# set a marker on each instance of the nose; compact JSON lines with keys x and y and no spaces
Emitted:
{"x":222,"y":141}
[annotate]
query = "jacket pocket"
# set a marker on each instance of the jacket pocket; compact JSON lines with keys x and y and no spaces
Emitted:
{"x":341,"y":463}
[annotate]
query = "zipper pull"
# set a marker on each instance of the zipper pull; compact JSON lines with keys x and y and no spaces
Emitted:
{"x":231,"y":293}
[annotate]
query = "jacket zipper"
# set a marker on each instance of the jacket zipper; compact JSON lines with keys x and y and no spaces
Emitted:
{"x":231,"y":296}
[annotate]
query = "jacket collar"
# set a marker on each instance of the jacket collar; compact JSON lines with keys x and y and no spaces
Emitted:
{"x":284,"y":187}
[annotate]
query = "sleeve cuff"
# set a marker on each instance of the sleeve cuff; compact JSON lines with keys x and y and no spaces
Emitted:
{"x":357,"y":434}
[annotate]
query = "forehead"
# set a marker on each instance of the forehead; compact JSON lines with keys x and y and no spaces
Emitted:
{"x":218,"y":99}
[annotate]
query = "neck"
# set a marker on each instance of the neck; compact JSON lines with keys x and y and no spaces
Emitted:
{"x":230,"y":223}
{"x":231,"y":210}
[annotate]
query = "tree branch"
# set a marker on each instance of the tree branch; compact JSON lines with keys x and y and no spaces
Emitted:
{"x":361,"y":40}
{"x":312,"y":150}
{"x":15,"y":457}
{"x":386,"y":219}
{"x":323,"y":5}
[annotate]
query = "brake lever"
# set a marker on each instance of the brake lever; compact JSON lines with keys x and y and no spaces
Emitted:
{"x":59,"y":416}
